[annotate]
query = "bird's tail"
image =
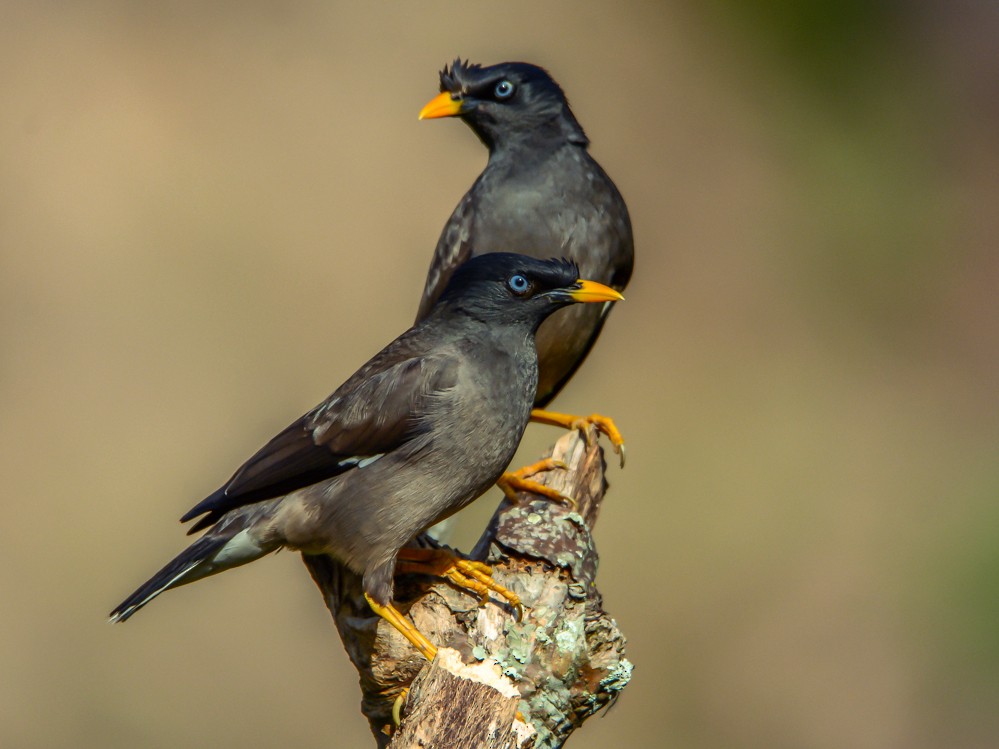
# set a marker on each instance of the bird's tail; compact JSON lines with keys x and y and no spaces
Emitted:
{"x":206,"y":556}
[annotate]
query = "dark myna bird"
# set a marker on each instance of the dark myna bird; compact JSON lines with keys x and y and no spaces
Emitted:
{"x":540,"y":190}
{"x":421,"y":430}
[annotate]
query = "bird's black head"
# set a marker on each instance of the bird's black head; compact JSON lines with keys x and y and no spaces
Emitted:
{"x":506,"y":288}
{"x":506,"y":104}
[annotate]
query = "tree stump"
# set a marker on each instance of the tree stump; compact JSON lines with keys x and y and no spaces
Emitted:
{"x":558,"y":666}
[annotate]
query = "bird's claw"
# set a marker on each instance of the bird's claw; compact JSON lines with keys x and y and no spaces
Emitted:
{"x":469,"y":574}
{"x":477,"y":577}
{"x":513,"y":482}
{"x":603,"y":424}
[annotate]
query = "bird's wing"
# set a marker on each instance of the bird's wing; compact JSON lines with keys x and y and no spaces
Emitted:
{"x":374,"y":412}
{"x":453,"y":248}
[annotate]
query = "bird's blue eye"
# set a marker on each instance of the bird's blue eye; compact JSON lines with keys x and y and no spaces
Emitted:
{"x":518,"y":284}
{"x":503,"y":90}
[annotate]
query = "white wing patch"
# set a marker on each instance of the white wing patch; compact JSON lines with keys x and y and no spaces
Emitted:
{"x":239,"y":549}
{"x":360,"y":461}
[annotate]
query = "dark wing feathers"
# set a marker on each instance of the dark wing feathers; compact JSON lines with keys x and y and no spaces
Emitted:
{"x":376,"y":415}
{"x":374,"y":412}
{"x":454,"y":248}
{"x":289,"y":461}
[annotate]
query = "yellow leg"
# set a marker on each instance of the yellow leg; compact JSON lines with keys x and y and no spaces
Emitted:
{"x":465,"y":573}
{"x":406,"y":628}
{"x":603,"y":424}
{"x":397,"y":706}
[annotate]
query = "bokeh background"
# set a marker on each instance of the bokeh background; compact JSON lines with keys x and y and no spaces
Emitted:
{"x":212,"y":213}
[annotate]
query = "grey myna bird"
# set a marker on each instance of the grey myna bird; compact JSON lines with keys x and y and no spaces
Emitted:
{"x":540,"y":190}
{"x":421,"y":430}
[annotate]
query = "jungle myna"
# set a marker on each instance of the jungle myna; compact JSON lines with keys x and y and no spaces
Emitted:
{"x":540,"y":190}
{"x":421,"y":430}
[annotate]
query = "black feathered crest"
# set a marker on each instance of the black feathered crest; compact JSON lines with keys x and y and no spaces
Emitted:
{"x":565,"y":267}
{"x":464,"y":75}
{"x":452,"y":79}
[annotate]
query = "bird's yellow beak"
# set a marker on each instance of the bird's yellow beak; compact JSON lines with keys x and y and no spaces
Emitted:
{"x":441,"y":105}
{"x":591,"y":291}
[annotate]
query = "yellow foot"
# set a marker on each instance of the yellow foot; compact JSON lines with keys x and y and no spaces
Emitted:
{"x":406,"y":628}
{"x":398,"y":705}
{"x":603,"y":424}
{"x":519,"y":481}
{"x":465,"y":573}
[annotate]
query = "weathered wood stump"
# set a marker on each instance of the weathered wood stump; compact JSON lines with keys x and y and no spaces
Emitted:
{"x":558,"y":666}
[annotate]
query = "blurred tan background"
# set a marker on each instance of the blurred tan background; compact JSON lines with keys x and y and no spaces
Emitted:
{"x":212,"y":213}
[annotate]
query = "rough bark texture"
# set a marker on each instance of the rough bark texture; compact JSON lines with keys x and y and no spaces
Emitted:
{"x":565,"y":659}
{"x":459,"y":705}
